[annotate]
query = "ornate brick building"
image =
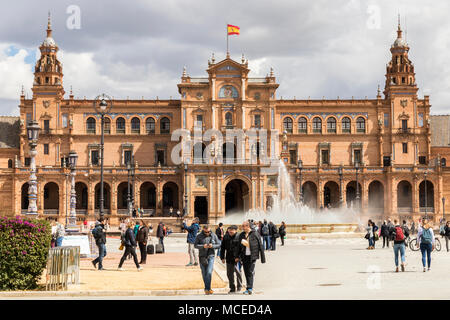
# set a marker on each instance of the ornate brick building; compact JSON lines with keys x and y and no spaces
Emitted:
{"x":384,"y":143}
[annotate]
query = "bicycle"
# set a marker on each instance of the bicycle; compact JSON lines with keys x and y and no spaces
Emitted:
{"x":413,"y":244}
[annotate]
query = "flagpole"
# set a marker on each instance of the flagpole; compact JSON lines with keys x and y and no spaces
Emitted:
{"x":228,"y":53}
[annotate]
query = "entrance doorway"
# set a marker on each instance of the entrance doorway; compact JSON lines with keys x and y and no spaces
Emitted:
{"x":237,"y":196}
{"x":201,"y":209}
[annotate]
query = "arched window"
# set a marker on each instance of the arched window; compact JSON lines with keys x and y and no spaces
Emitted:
{"x":10,"y":163}
{"x":135,"y":125}
{"x":317,"y":125}
{"x":346,"y":125}
{"x":90,"y":125}
{"x":150,"y":125}
{"x":229,"y":119}
{"x":360,"y":125}
{"x":331,"y":125}
{"x":443,"y":162}
{"x":165,"y":125}
{"x":107,"y":126}
{"x":302,"y":125}
{"x":120,"y":125}
{"x":287,"y":125}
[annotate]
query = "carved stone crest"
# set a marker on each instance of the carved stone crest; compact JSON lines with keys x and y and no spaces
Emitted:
{"x":403,"y":103}
{"x":46,"y":103}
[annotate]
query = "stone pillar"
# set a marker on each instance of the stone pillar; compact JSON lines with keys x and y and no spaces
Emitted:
{"x":91,"y":199}
{"x":320,"y":186}
{"x":415,"y":196}
{"x":113,"y":197}
{"x":159,"y":196}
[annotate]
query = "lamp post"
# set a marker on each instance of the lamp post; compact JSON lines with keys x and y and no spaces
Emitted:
{"x":185,"y":209}
{"x":300,"y":167}
{"x":33,"y":135}
{"x":340,"y":172}
{"x":130,"y":208}
{"x":357,"y":184}
{"x":425,"y":180}
{"x":443,"y":208}
{"x":73,"y":157}
{"x":102,"y":105}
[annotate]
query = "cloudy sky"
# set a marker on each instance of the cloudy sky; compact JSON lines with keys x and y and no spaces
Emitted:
{"x":138,"y":48}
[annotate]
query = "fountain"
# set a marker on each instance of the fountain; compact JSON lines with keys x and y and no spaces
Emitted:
{"x":298,"y":217}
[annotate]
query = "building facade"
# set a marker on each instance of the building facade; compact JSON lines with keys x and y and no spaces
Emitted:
{"x":375,"y":154}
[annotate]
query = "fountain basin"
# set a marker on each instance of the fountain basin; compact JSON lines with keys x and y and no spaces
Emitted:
{"x":312,"y":228}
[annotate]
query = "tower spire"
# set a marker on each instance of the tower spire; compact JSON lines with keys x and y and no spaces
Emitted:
{"x":399,"y":29}
{"x":49,"y":26}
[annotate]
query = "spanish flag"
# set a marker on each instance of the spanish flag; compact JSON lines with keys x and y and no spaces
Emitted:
{"x":233,"y":29}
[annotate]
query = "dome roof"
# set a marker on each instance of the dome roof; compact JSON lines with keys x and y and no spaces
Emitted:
{"x":48,"y":42}
{"x":399,"y":42}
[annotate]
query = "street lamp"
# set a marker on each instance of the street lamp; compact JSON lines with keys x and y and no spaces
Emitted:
{"x":102,"y":105}
{"x":33,"y":135}
{"x":73,"y":157}
{"x":340,"y":172}
{"x":357,"y":184}
{"x":130,"y":169}
{"x":300,"y":167}
{"x":185,"y":209}
{"x":443,"y":208}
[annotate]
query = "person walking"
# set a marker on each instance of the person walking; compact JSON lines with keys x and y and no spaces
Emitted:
{"x":273,"y":235}
{"x":99,"y":233}
{"x":220,"y":233}
{"x":161,"y":233}
{"x":369,"y":235}
{"x":129,"y":242}
{"x":192,"y":234}
{"x":206,"y":242}
{"x":400,"y":233}
{"x":265,"y":231}
{"x":136,"y":229}
{"x":250,"y":249}
{"x":60,"y":233}
{"x":447,"y":234}
{"x":142,"y":239}
{"x":426,"y":243}
{"x":282,"y":232}
{"x":229,"y":252}
{"x":384,"y":232}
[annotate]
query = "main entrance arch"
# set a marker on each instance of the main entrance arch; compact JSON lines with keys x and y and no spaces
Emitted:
{"x":237,"y":196}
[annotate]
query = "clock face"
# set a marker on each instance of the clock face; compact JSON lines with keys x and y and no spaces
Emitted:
{"x":257,"y":96}
{"x":199,"y":95}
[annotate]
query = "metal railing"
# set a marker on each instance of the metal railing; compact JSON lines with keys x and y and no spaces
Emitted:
{"x":62,"y":263}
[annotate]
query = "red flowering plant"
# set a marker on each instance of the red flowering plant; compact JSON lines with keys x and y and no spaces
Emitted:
{"x":24,"y":245}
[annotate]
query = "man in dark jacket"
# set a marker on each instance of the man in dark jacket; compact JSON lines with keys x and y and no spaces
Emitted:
{"x":99,"y":234}
{"x":192,"y":234}
{"x":142,"y":238}
{"x":229,"y":251}
{"x":160,"y":233}
{"x":220,"y":233}
{"x":129,"y":241}
{"x":206,"y":242}
{"x":251,"y":248}
{"x":385,"y":233}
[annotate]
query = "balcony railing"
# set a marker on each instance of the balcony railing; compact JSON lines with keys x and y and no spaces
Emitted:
{"x":427,"y":209}
{"x":404,"y":130}
{"x":404,"y":209}
{"x":51,"y":211}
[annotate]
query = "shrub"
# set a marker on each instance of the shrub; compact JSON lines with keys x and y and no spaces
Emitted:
{"x":24,"y":245}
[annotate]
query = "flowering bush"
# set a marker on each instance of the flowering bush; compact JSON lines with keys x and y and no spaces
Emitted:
{"x":24,"y":245}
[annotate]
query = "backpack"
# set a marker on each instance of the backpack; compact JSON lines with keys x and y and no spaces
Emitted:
{"x":95,"y":233}
{"x":265,"y":230}
{"x":427,"y":237}
{"x":399,"y":236}
{"x":392,"y":233}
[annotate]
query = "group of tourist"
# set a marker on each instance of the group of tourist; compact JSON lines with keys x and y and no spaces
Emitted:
{"x":133,"y":235}
{"x":399,"y":234}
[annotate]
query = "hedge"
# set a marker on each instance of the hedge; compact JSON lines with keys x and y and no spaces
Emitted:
{"x":24,"y":245}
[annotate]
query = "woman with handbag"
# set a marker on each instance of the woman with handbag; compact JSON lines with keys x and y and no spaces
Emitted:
{"x":129,"y":241}
{"x":369,"y":235}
